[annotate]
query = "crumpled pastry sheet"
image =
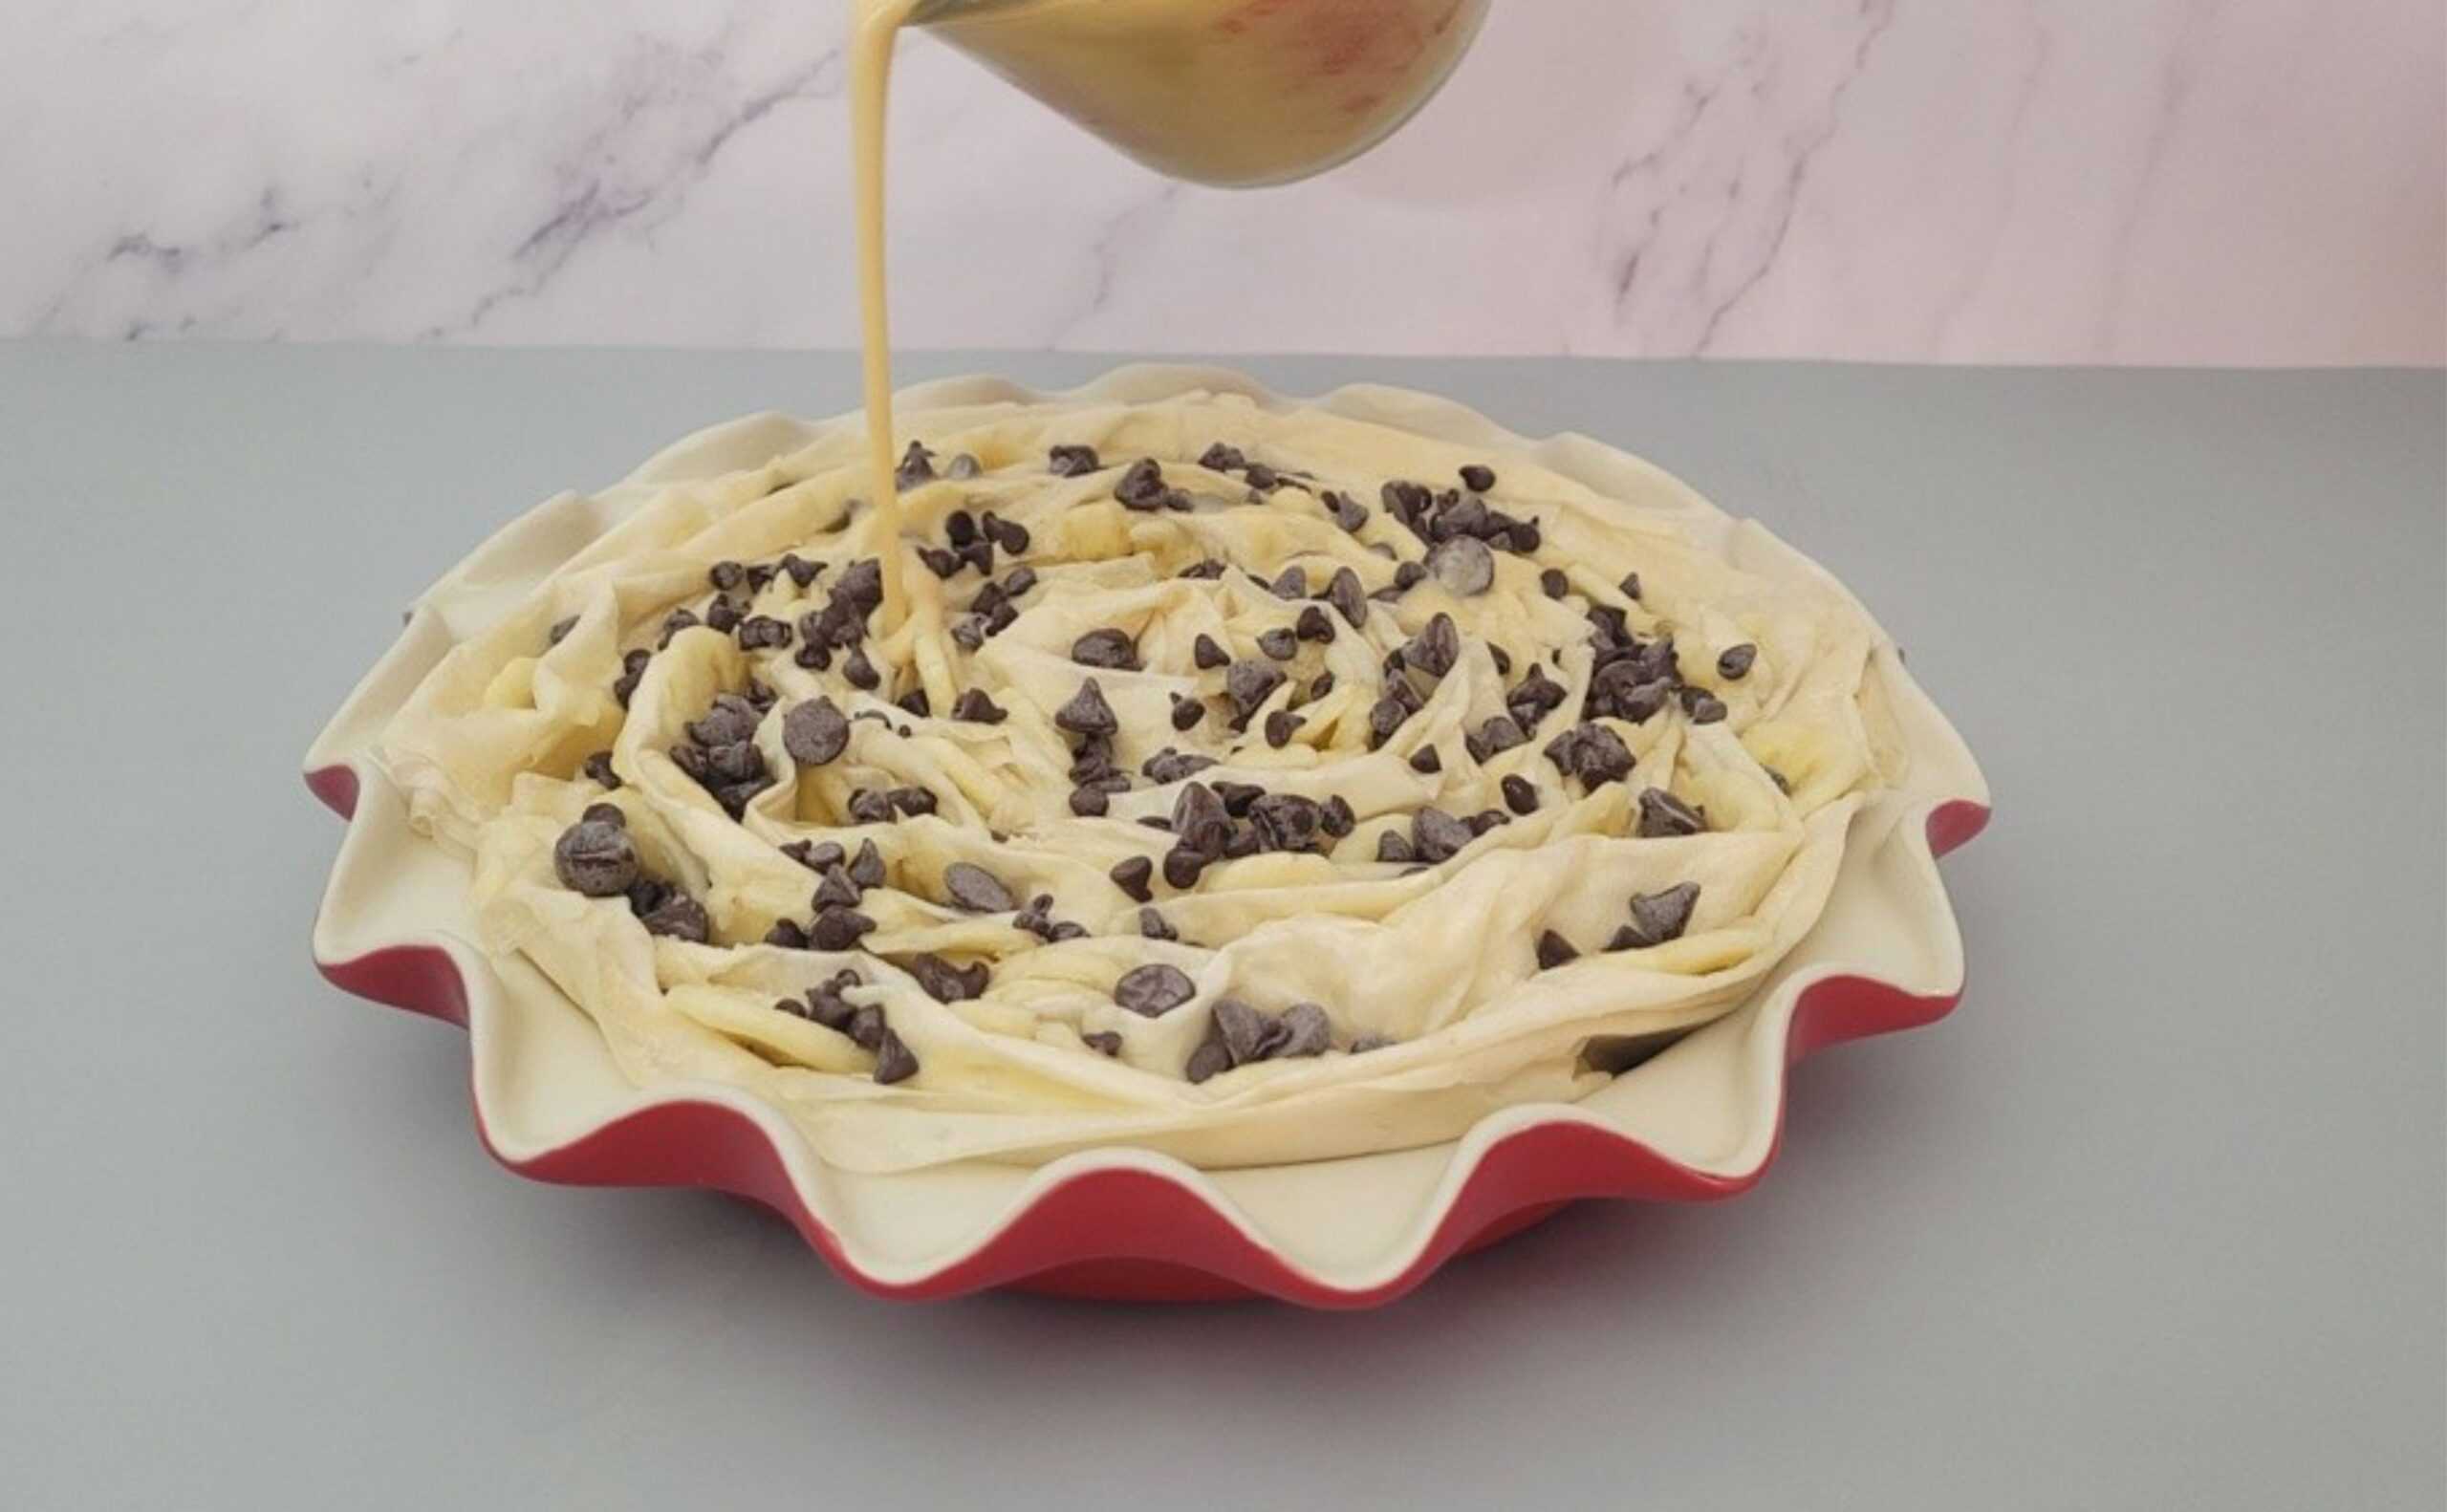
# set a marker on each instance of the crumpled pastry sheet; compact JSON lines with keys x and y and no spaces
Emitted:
{"x":488,"y":752}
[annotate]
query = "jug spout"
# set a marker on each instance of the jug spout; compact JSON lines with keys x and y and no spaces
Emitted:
{"x":1223,"y":91}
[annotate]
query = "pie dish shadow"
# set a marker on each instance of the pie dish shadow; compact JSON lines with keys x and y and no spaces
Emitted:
{"x":1699,"y":1120}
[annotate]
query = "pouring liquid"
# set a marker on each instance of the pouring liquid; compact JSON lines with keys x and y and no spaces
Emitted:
{"x":1223,"y":91}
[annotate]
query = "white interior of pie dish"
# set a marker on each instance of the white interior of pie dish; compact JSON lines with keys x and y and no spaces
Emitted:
{"x":544,"y":1078}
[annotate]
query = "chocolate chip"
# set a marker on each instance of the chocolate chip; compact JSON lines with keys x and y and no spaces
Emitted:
{"x":1335,"y":817}
{"x":1348,"y":513}
{"x":1200,"y":819}
{"x":1219,"y":458}
{"x":1464,"y":565}
{"x":975,"y":706}
{"x":1241,"y":1027}
{"x":1141,"y":487}
{"x":941,"y":563}
{"x":1013,"y":539}
{"x":1088,"y":713}
{"x":1090,"y":803}
{"x":731,"y":720}
{"x":1735,"y":663}
{"x":725,"y":577}
{"x":1309,"y":1032}
{"x":1664,"y":816}
{"x":1436,"y":649}
{"x":1209,"y":1060}
{"x":1104,"y":1042}
{"x":859,"y":588}
{"x":1187,"y":712}
{"x":916,"y":703}
{"x":860,"y":671}
{"x":1238,"y":796}
{"x":1554,"y":950}
{"x":1313,"y":625}
{"x":1135,"y":877}
{"x":1292,"y":584}
{"x":1071,"y":461}
{"x":1783,"y":784}
{"x":735,"y":797}
{"x":946,"y":982}
{"x":726,"y":764}
{"x":1181,"y":868}
{"x":814,"y":857}
{"x":866,"y":867}
{"x":976,"y":890}
{"x":839,"y":928}
{"x":1520,"y":794}
{"x":916,"y":466}
{"x":1630,"y":586}
{"x":1497,"y":735}
{"x":1320,"y":685}
{"x":1207,"y":655}
{"x":836,"y":890}
{"x":1153,"y":990}
{"x":869,"y":807}
{"x":788,"y":935}
{"x":800,"y":570}
{"x":1437,"y":835}
{"x":894,"y":1063}
{"x":815,"y":733}
{"x":912,"y":801}
{"x":1703,"y":707}
{"x":1408,"y":576}
{"x":1371,"y":1042}
{"x":597,"y":768}
{"x":1169,"y":766}
{"x":866,"y":1027}
{"x":1250,"y":684}
{"x":595,"y":858}
{"x":1286,"y":821}
{"x":1593,"y":754}
{"x":680,"y":918}
{"x":1658,"y":918}
{"x":722,"y":614}
{"x":1021,"y":581}
{"x":560,"y":631}
{"x":1112,"y":650}
{"x":1393,"y":846}
{"x":1281,"y":643}
{"x":1280,"y":726}
{"x":763,"y":633}
{"x":1426,"y":762}
{"x":1554,"y":582}
{"x":1208,"y":570}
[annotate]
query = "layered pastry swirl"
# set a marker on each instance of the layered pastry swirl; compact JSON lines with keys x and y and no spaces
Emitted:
{"x":1248,"y":785}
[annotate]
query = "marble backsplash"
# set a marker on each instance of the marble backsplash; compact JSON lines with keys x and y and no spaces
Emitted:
{"x":2047,"y":181}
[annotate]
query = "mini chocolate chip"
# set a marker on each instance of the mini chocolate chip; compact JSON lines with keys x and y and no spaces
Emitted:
{"x":1141,"y":487}
{"x":1243,"y":842}
{"x":1090,"y":803}
{"x":1348,"y":513}
{"x":1281,"y":643}
{"x":1554,"y":582}
{"x":1207,"y":655}
{"x":725,"y":577}
{"x":1554,"y":950}
{"x":1384,"y":716}
{"x":801,"y":571}
{"x":726,"y":764}
{"x":1292,"y":584}
{"x":1238,"y":796}
{"x":1152,"y":925}
{"x":1437,"y":835}
{"x":624,"y":687}
{"x":1207,"y":1062}
{"x":1313,"y":625}
{"x":595,"y":858}
{"x":731,"y":720}
{"x":1520,"y":794}
{"x":1004,"y":616}
{"x":1783,"y":784}
{"x":680,"y":918}
{"x":1593,"y":754}
{"x":1630,"y":586}
{"x":866,"y":867}
{"x":868,"y":807}
{"x":1187,"y":712}
{"x":1013,"y":539}
{"x":1209,"y":570}
{"x":960,"y":527}
{"x":1019,"y":582}
{"x":1309,"y":1032}
{"x":1135,"y":877}
{"x":1249,"y":684}
{"x":916,"y":703}
{"x":976,"y":890}
{"x":1664,"y":816}
{"x":1104,"y":1042}
{"x":724,"y":616}
{"x":1221,"y":458}
{"x":1153,"y":990}
{"x":1200,"y":820}
{"x":1464,"y":565}
{"x":1071,"y":461}
{"x":1286,"y":821}
{"x":1335,"y":817}
{"x":865,"y":1027}
{"x":597,"y":768}
{"x":1703,"y":707}
{"x":815,"y":733}
{"x":560,"y":631}
{"x":1426,"y":762}
{"x":946,"y":982}
{"x":912,"y":801}
{"x":1486,"y":819}
{"x":1241,"y":1027}
{"x":763,"y":633}
{"x":1262,"y":479}
{"x":1181,"y":867}
{"x":916,"y":466}
{"x":1088,"y":713}
{"x":976,"y":707}
{"x":1320,"y":685}
{"x":1349,"y":598}
{"x":1112,"y":650}
{"x":1280,"y":726}
{"x":788,"y":935}
{"x":1408,"y":576}
{"x":1393,"y":846}
{"x":835,"y":891}
{"x":1658,"y":918}
{"x":1497,"y":734}
{"x":735,"y":797}
{"x":894,"y":1063}
{"x":1435,"y":649}
{"x":1169,"y":766}
{"x":941,"y":563}
{"x":860,"y":671}
{"x":1502,"y":658}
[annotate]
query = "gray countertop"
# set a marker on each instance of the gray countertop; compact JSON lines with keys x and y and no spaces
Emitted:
{"x":2157,"y":1219}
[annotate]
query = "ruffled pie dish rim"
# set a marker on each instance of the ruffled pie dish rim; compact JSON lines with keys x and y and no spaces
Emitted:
{"x":1700,"y":1120}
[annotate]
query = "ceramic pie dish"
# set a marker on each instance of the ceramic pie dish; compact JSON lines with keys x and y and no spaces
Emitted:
{"x":1699,"y":1118}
